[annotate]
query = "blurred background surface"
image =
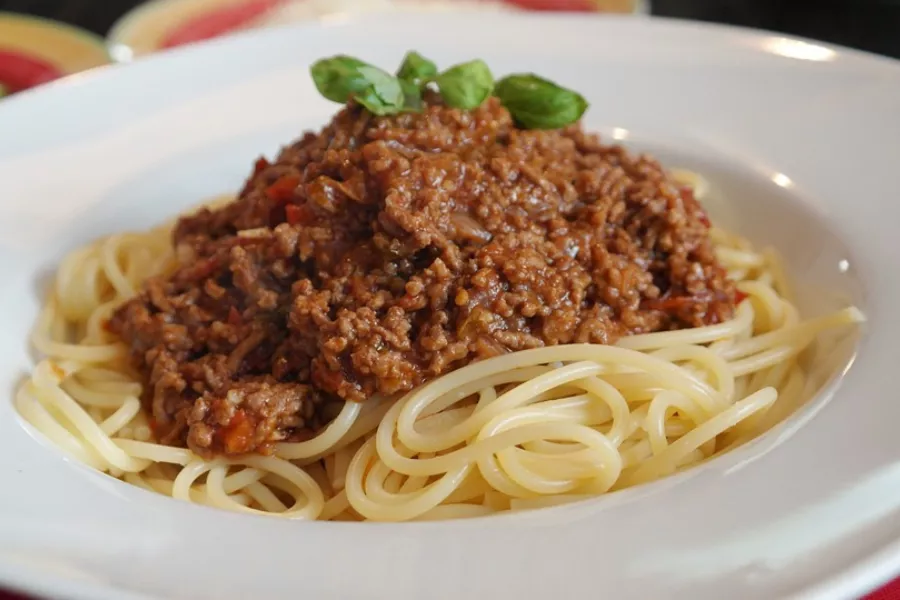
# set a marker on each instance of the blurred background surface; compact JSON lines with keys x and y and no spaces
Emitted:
{"x":73,"y":35}
{"x":69,"y":36}
{"x":868,"y":24}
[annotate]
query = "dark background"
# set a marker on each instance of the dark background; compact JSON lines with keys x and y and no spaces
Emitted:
{"x":872,"y":25}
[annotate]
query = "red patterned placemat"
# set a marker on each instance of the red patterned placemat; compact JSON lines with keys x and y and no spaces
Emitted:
{"x":889,"y":592}
{"x":162,"y":24}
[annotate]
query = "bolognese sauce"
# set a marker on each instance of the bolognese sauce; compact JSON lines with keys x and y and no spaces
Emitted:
{"x":385,"y":251}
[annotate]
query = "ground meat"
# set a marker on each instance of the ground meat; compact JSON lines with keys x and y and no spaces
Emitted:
{"x":385,"y":251}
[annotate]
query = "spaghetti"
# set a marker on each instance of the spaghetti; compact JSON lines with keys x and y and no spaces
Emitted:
{"x":523,"y":430}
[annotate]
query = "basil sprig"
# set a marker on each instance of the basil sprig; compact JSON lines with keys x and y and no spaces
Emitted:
{"x":538,"y":103}
{"x":533,"y":102}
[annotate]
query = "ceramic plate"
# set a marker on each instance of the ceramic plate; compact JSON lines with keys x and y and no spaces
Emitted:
{"x":800,"y":142}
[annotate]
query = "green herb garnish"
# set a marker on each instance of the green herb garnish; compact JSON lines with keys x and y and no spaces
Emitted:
{"x":338,"y":78}
{"x":3,"y":90}
{"x":537,"y":103}
{"x":342,"y":78}
{"x":417,"y":69}
{"x":534,"y":102}
{"x":467,"y":85}
{"x":412,"y":96}
{"x":414,"y":74}
{"x":384,"y":94}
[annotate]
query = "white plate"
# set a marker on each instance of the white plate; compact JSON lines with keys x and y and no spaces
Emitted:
{"x":802,"y":139}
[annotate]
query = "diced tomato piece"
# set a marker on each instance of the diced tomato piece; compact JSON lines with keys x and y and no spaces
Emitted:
{"x":237,"y":435}
{"x":234,"y":316}
{"x":669,"y":304}
{"x":298,"y":214}
{"x":261,"y":165}
{"x":739,"y":296}
{"x":245,"y":242}
{"x":283,"y":189}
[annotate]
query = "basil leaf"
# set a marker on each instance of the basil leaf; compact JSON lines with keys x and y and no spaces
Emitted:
{"x":416,"y":68}
{"x":338,"y":78}
{"x":383,"y":95}
{"x":341,"y":78}
{"x":412,"y":96}
{"x":3,"y":90}
{"x":415,"y":72}
{"x":538,"y":103}
{"x":467,"y":85}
